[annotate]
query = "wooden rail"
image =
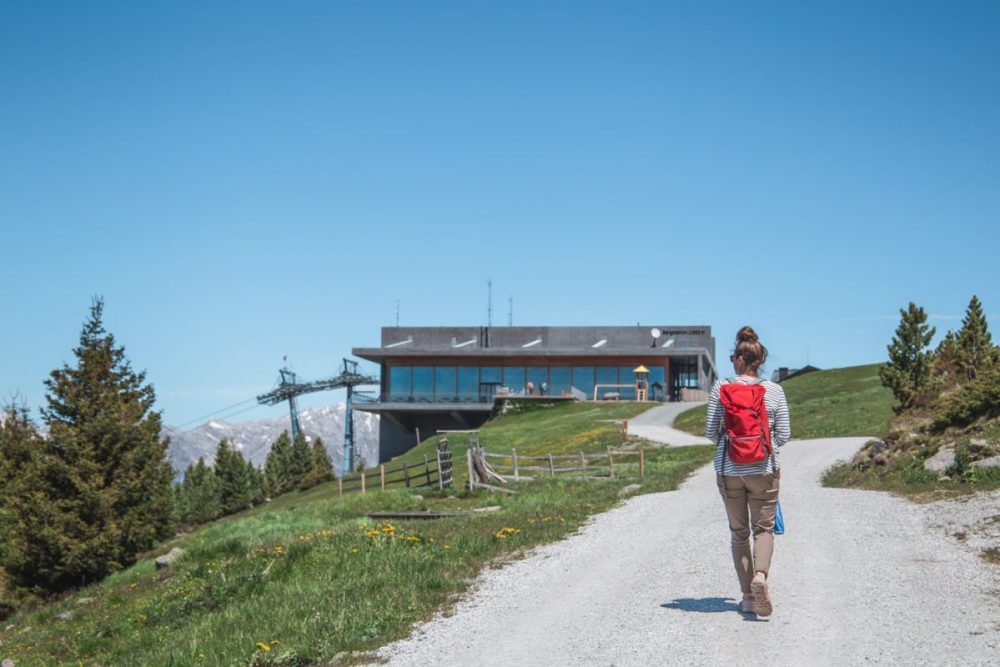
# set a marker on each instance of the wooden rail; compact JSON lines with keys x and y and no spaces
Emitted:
{"x":593,"y":465}
{"x":436,"y":472}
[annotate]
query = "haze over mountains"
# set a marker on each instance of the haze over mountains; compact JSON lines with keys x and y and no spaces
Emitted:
{"x":254,"y":438}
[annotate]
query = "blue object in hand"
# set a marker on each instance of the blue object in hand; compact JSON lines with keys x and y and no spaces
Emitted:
{"x":779,"y":521}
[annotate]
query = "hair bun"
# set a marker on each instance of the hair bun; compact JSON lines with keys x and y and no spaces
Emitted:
{"x":747,"y":335}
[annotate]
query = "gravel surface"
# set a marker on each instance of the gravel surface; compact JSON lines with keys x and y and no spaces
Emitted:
{"x":859,"y":577}
{"x":655,"y":424}
{"x":972,"y":520}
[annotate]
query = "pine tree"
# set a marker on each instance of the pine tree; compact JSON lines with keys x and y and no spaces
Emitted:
{"x":909,"y":368}
{"x":235,"y":483}
{"x":322,"y":470}
{"x":300,"y":461}
{"x":257,"y":485}
{"x":975,"y":345}
{"x":276,"y":466}
{"x":40,"y":527}
{"x":105,"y":469}
{"x":199,"y":494}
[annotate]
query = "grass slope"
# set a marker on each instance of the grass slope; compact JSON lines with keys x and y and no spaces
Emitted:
{"x":307,"y":576}
{"x":825,"y":404}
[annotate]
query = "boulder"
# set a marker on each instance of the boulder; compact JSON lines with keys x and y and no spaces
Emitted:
{"x":628,"y":490}
{"x":991,"y":462}
{"x":7,"y":662}
{"x":881,"y":459}
{"x":941,"y":461}
{"x":65,"y":616}
{"x":85,"y":600}
{"x":167,"y":559}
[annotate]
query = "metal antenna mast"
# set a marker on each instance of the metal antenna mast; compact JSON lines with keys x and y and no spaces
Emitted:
{"x":489,"y":303}
{"x":289,"y":387}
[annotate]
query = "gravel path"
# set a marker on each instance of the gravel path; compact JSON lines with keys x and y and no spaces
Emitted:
{"x":654,"y":424}
{"x":860,"y":577}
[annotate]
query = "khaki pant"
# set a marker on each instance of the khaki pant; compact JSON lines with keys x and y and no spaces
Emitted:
{"x":750,"y":504}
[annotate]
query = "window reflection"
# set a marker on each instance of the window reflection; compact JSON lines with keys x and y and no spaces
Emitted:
{"x":626,"y":376}
{"x":444,"y":383}
{"x":513,"y":379}
{"x":607,"y":375}
{"x":399,"y":382}
{"x":468,"y":382}
{"x":559,"y":380}
{"x":423,"y":383}
{"x":583,"y":379}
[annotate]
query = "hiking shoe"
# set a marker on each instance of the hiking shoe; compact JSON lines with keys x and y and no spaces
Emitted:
{"x":761,"y":598}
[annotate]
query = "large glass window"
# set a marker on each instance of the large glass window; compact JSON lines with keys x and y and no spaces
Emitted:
{"x":626,"y":376}
{"x":607,"y":375}
{"x":583,"y":379}
{"x":468,"y":382}
{"x":423,"y":383}
{"x":490,"y":379}
{"x":536,"y":376}
{"x":559,"y":380}
{"x":399,"y":382}
{"x":657,"y":384}
{"x":683,"y":373}
{"x":489,"y":374}
{"x":513,"y":379}
{"x":444,"y":383}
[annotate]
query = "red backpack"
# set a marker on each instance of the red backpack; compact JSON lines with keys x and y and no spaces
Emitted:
{"x":747,"y":427}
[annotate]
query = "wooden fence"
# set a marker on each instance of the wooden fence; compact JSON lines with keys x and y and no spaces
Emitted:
{"x":487,"y":467}
{"x":432,"y":472}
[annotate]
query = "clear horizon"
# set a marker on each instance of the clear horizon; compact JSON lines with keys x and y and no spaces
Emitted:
{"x":245,"y":181}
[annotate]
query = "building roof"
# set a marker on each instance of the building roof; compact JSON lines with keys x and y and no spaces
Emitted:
{"x":478,"y":342}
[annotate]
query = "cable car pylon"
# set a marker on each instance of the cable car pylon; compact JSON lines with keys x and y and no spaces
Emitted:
{"x":289,"y":388}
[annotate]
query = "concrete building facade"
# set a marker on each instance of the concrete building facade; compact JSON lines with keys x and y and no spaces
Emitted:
{"x":435,"y":378}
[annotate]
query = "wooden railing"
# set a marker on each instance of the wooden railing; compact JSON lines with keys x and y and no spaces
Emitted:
{"x":487,"y":467}
{"x":429,"y":473}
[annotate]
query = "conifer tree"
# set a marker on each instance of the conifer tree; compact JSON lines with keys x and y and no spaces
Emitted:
{"x":300,"y":460}
{"x":199,"y":494}
{"x":99,"y":489}
{"x":975,"y":345}
{"x":276,"y":466}
{"x":235,"y":483}
{"x":322,"y":470}
{"x":29,"y":521}
{"x":258,"y":485}
{"x":908,"y":371}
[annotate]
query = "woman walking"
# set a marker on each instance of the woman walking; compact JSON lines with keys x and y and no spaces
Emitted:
{"x":747,"y":465}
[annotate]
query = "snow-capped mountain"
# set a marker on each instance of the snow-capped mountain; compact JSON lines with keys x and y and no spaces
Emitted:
{"x":254,"y":438}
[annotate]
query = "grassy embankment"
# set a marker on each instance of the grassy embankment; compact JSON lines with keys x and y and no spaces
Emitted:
{"x":826,"y":404}
{"x":852,"y":401}
{"x":307,"y":576}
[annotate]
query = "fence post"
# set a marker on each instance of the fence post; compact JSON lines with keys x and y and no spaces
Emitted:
{"x":468,"y":460}
{"x":611,"y":463}
{"x":363,"y":475}
{"x":437,"y":455}
{"x":381,"y":472}
{"x":340,"y":486}
{"x":513,"y":454}
{"x":406,"y":475}
{"x":642,"y":464}
{"x":427,"y":472}
{"x":552,"y":469}
{"x":624,"y":430}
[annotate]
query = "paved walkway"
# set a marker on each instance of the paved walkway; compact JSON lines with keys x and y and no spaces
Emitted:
{"x":654,"y":424}
{"x":859,"y":578}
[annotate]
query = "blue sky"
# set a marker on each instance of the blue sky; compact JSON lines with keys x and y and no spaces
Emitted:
{"x":242,"y":181}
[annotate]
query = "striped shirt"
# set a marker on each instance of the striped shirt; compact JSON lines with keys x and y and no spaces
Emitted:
{"x":777,"y":415}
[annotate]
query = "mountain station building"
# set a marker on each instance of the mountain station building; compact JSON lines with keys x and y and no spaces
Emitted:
{"x":437,"y":378}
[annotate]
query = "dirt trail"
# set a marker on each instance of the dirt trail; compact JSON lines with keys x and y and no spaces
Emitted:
{"x":860,"y":577}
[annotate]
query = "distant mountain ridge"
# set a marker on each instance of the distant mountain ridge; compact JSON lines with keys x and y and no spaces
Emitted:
{"x":253,"y":439}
